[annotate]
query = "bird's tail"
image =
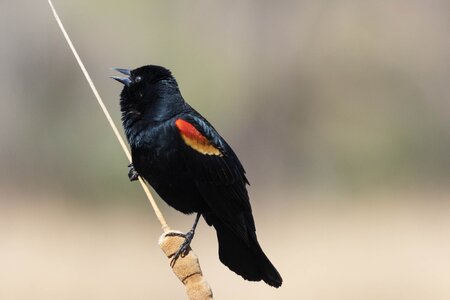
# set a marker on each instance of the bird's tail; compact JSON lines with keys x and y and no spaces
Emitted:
{"x":247,"y":260}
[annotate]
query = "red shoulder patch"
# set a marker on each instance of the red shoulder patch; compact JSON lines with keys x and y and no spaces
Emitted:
{"x":194,"y":139}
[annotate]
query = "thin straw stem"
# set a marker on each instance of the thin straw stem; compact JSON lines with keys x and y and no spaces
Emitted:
{"x":152,"y":201}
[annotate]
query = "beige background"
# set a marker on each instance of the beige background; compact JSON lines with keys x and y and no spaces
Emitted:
{"x":339,"y":111}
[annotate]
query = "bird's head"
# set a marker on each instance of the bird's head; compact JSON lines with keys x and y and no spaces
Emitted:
{"x":149,"y":90}
{"x":144,"y":81}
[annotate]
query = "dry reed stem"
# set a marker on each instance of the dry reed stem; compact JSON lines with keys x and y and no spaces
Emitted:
{"x":152,"y":201}
{"x":187,"y":268}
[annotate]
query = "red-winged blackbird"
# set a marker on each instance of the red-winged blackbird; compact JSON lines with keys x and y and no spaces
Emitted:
{"x":180,"y":154}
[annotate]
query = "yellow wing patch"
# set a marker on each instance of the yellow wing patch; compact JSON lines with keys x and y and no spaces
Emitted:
{"x":194,"y":139}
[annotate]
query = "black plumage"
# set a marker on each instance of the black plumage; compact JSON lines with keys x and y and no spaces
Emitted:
{"x":180,"y":154}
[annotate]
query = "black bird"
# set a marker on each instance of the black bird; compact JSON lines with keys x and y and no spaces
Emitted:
{"x":180,"y":154}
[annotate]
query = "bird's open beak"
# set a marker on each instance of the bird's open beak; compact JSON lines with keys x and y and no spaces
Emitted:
{"x":123,"y":71}
{"x":124,"y":80}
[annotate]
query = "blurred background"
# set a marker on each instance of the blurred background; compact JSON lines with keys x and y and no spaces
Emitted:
{"x":339,"y":111}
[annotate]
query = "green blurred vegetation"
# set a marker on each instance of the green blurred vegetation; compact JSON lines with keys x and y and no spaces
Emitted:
{"x":313,"y":94}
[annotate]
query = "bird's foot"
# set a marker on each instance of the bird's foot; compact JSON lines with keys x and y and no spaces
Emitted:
{"x":184,"y":248}
{"x":132,"y":173}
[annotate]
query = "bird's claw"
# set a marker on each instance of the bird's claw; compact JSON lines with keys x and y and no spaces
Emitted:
{"x":132,"y":173}
{"x":184,"y":248}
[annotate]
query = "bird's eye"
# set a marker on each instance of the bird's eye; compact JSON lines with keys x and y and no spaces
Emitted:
{"x":137,"y":79}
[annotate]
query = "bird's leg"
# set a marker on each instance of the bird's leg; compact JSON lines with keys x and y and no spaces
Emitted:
{"x":187,"y":241}
{"x":132,"y":174}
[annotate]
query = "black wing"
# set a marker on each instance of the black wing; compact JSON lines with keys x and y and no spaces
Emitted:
{"x":219,"y":175}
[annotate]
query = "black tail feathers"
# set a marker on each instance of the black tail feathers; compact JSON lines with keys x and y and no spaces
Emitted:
{"x":247,"y":260}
